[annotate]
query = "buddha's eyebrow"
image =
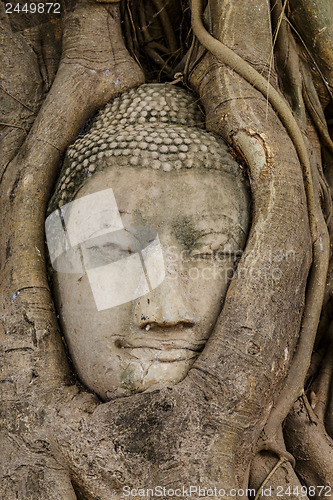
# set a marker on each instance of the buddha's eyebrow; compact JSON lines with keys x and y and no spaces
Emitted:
{"x":216,"y":218}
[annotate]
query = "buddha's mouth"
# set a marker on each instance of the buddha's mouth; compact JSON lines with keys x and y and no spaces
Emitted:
{"x":161,"y":351}
{"x":161,"y":355}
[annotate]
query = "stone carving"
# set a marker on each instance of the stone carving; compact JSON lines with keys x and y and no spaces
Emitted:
{"x":157,"y":126}
{"x":169,"y":174}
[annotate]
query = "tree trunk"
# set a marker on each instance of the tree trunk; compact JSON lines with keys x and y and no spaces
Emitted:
{"x":222,"y":425}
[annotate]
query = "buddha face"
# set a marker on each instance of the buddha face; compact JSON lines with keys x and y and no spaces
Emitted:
{"x":201,"y":218}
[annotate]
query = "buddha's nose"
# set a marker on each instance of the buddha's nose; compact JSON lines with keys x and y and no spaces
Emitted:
{"x":164,"y":306}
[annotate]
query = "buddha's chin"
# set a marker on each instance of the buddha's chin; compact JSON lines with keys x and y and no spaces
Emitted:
{"x":148,"y":376}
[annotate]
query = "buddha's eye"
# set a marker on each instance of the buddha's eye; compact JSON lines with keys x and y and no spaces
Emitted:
{"x":219,"y":255}
{"x":101,"y":255}
{"x":109,"y":248}
{"x":203,"y":253}
{"x":116,"y":247}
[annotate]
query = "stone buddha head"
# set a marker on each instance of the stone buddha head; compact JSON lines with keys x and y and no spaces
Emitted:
{"x":146,"y":224}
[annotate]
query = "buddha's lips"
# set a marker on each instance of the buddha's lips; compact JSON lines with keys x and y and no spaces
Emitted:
{"x":162,"y":351}
{"x":161,"y":355}
{"x":162,"y":344}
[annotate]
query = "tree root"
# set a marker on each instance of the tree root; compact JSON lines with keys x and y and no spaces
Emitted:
{"x":166,"y":24}
{"x":293,"y":386}
{"x":21,"y":81}
{"x":288,"y":62}
{"x":11,"y":125}
{"x":314,"y":23}
{"x":230,"y":58}
{"x":294,"y":383}
{"x":321,"y":385}
{"x":283,"y":479}
{"x":153,"y":36}
{"x":314,"y":108}
{"x":312,"y":417}
{"x":37,"y":165}
{"x":264,"y":466}
{"x":310,"y":445}
{"x":273,"y":447}
{"x":147,"y":45}
{"x":281,"y":461}
{"x":95,"y":67}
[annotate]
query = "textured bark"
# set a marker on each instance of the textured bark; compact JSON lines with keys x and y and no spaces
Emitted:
{"x":254,"y":312}
{"x":311,"y":446}
{"x":94,"y":67}
{"x":21,"y":97}
{"x":59,"y":441}
{"x":314,"y":25}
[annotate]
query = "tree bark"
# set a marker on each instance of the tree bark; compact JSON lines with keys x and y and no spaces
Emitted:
{"x":60,"y":441}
